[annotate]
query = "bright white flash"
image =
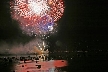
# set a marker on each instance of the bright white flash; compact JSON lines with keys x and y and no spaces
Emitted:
{"x":38,"y":7}
{"x":50,"y":28}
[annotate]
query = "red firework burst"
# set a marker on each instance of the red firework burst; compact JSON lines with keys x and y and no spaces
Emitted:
{"x":30,"y":12}
{"x":31,"y":9}
{"x":56,"y":9}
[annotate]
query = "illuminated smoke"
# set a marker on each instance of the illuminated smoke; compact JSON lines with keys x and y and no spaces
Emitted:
{"x":23,"y":49}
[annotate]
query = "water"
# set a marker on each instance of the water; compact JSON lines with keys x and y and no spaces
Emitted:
{"x":73,"y":62}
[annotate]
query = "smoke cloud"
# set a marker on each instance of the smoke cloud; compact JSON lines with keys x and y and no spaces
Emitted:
{"x":16,"y":48}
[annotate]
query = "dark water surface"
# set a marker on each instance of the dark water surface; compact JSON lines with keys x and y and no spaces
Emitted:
{"x":79,"y":62}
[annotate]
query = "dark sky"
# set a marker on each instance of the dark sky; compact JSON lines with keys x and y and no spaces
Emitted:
{"x":83,"y":26}
{"x":85,"y":21}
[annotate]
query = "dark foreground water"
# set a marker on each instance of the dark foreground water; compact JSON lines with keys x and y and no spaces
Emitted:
{"x":77,"y":62}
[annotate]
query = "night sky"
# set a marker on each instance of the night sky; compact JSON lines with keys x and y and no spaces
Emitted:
{"x":83,"y":26}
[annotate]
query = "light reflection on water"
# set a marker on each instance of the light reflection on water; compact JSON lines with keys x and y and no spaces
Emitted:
{"x":29,"y":63}
{"x":43,"y":66}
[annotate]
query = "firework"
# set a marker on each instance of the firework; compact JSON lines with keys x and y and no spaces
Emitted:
{"x":37,"y":16}
{"x":46,"y":25}
{"x":56,"y":9}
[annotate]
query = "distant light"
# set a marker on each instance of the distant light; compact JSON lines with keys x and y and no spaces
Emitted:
{"x":86,"y":51}
{"x":40,"y":48}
